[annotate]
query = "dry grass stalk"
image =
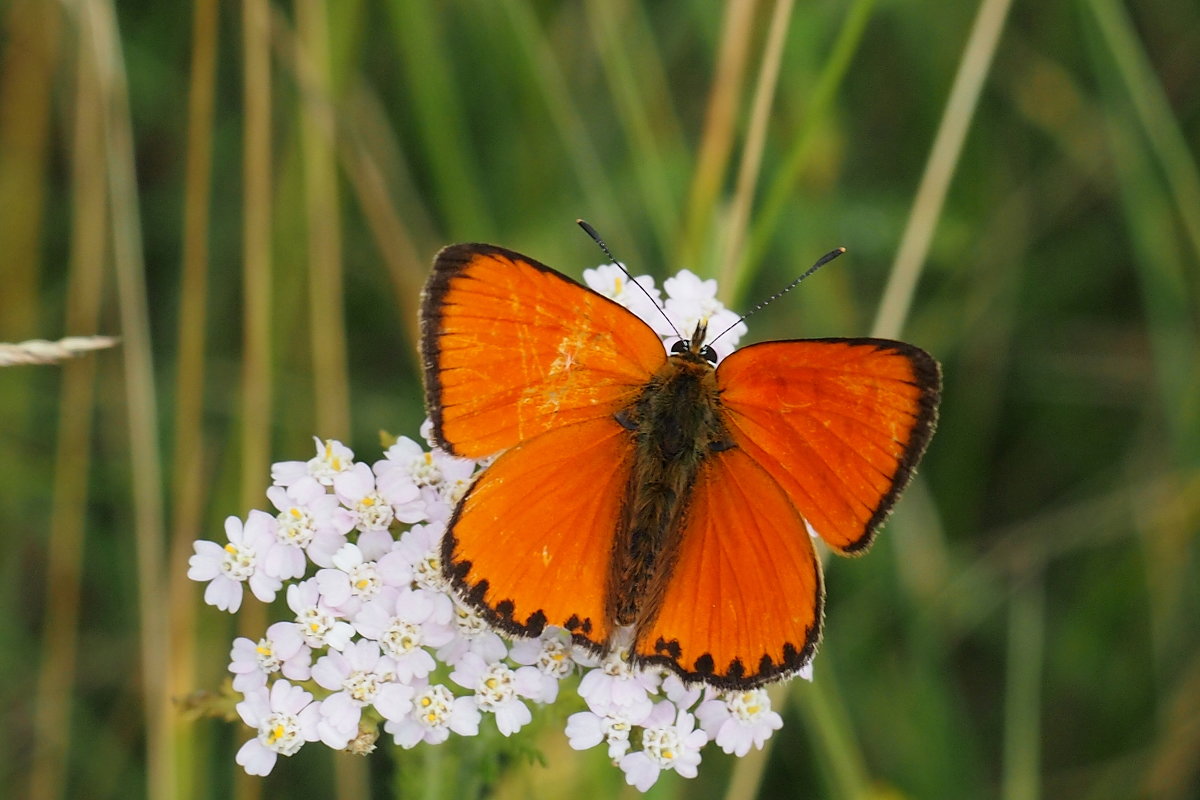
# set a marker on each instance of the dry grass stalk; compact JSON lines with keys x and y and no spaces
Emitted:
{"x":41,"y":351}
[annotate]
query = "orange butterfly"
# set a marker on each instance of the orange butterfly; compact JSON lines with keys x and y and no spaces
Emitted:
{"x":660,"y":492}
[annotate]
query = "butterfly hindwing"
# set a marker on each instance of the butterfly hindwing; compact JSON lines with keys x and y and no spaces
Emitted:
{"x":838,"y":423}
{"x":529,"y":545}
{"x":512,"y":348}
{"x":744,"y":602}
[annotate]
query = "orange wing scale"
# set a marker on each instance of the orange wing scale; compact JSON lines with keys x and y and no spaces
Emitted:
{"x":530,"y":543}
{"x":513,"y":348}
{"x":838,"y":423}
{"x":745,"y":601}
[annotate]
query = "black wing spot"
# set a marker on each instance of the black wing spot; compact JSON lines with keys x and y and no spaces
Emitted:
{"x":791,"y":656}
{"x":536,"y":622}
{"x":737,"y":670}
{"x":505,"y":608}
{"x":573,"y":624}
{"x":704,"y":664}
{"x":477,"y":592}
{"x":671,"y":648}
{"x":587,"y":625}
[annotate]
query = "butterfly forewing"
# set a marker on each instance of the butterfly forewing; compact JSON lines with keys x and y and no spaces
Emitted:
{"x":513,"y":348}
{"x":838,"y":423}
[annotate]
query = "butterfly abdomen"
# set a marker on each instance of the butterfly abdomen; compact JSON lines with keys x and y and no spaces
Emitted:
{"x":675,"y":423}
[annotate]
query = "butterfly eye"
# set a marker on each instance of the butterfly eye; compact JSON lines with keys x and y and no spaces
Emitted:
{"x":708,"y":354}
{"x":679,"y":347}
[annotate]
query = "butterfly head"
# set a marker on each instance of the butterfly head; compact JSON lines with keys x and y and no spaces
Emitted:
{"x":695,"y":347}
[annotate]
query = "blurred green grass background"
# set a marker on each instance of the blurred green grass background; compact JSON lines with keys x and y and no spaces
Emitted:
{"x":250,"y":193}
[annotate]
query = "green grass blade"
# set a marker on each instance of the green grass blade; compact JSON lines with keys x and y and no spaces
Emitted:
{"x":644,"y":112}
{"x":1153,"y":111}
{"x":939,"y":169}
{"x":766,"y":219}
{"x":1022,"y":694}
{"x":440,"y":114}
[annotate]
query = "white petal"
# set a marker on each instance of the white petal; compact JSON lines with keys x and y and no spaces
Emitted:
{"x":298,"y":668}
{"x":373,"y":618}
{"x":583,"y":730}
{"x":331,"y":670}
{"x":712,"y":714}
{"x":260,"y":529}
{"x":255,"y":707}
{"x":512,"y":716}
{"x":363,"y":655}
{"x":395,"y":569}
{"x":465,"y":718}
{"x":288,"y":698}
{"x":394,"y":700}
{"x":347,"y":557}
{"x":285,"y":638}
{"x":684,"y":766}
{"x":339,"y":720}
{"x":264,"y":586}
{"x":323,"y":546}
{"x":374,"y":544}
{"x":206,"y":563}
{"x":353,"y":483}
{"x":249,"y":681}
{"x":407,"y":732}
{"x":255,"y":758}
{"x":341,"y":709}
{"x":224,"y":593}
{"x":468,"y":670}
{"x":332,"y":736}
{"x":233,"y":529}
{"x":306,"y":491}
{"x":339,"y":637}
{"x":639,"y":771}
{"x":310,"y":721}
{"x":334,"y":585}
{"x":243,"y":656}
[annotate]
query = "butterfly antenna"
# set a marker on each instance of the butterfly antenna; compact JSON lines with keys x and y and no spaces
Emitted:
{"x":590,"y":231}
{"x":822,"y":261}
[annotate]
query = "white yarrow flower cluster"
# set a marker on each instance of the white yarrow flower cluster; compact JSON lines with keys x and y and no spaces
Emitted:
{"x":376,"y":639}
{"x":690,"y":301}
